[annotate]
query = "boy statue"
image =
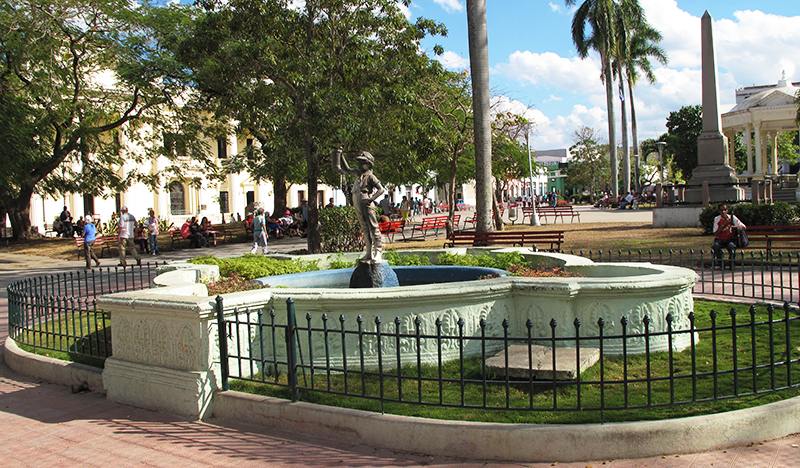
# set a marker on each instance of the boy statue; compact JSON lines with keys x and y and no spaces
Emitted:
{"x":366,"y":189}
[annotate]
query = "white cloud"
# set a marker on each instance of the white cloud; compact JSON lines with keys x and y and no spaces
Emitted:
{"x":570,"y":74}
{"x":450,"y":5}
{"x":453,"y":61}
{"x":554,"y":98}
{"x":555,"y":7}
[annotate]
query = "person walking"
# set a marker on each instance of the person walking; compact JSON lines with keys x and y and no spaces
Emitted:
{"x":259,"y":232}
{"x":89,"y":236}
{"x":127,"y":224}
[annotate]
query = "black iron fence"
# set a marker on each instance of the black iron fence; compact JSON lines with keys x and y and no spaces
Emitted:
{"x":59,"y":312}
{"x":769,"y":276}
{"x":720,"y":356}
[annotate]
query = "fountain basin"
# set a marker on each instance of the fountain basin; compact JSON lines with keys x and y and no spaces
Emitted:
{"x":452,"y":309}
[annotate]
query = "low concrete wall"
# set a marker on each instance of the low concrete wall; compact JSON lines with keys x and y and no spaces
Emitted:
{"x":53,"y":370}
{"x":515,"y":442}
{"x":677,"y":217}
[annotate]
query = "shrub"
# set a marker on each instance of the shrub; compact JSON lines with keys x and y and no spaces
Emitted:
{"x":541,"y":272}
{"x":502,"y":261}
{"x":255,"y":266}
{"x":340,"y":229}
{"x":777,"y":214}
{"x":395,"y":259}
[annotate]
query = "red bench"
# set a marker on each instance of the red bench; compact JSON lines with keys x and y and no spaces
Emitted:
{"x":769,"y":238}
{"x":435,"y":223}
{"x":513,"y":238}
{"x":390,"y":228}
{"x":563,"y":211}
{"x":474,"y":218}
{"x":100,"y":243}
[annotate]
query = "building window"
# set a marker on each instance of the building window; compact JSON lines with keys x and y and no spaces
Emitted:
{"x":250,"y":197}
{"x":301,"y":195}
{"x":224,"y":206}
{"x":222,"y":148}
{"x":177,"y":204}
{"x":249,"y":142}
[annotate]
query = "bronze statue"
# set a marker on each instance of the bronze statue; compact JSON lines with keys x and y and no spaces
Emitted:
{"x":366,"y":189}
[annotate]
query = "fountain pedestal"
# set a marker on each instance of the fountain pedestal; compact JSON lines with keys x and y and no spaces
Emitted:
{"x":373,"y":274}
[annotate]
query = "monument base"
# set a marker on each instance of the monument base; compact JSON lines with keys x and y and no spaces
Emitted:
{"x":373,"y":274}
{"x":720,"y":179}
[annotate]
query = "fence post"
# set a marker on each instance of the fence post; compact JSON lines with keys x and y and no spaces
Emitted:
{"x":223,"y":345}
{"x":291,"y":358}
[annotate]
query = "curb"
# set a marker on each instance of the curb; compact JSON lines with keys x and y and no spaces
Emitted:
{"x":71,"y":374}
{"x":515,"y":442}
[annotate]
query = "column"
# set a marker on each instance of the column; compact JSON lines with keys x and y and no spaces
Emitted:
{"x":730,"y":158}
{"x":748,"y":143}
{"x":774,"y":152}
{"x":759,"y":150}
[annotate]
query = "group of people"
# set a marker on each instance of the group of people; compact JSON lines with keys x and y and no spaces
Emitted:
{"x":130,"y":232}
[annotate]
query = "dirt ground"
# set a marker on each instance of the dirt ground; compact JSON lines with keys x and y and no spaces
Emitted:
{"x":579,"y":236}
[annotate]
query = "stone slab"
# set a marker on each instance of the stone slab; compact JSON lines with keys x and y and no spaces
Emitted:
{"x":542,"y":362}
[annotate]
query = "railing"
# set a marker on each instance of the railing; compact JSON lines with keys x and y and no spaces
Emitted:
{"x":59,"y":312}
{"x":728,"y":356}
{"x":752,"y":274}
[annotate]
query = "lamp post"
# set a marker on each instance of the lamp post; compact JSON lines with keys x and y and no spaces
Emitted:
{"x":661,"y":145}
{"x":534,"y":215}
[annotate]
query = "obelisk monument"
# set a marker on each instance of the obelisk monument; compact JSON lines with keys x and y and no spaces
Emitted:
{"x":712,"y":146}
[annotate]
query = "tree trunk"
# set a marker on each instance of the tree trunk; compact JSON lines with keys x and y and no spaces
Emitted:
{"x":479,"y":70}
{"x":626,"y":158}
{"x":281,"y":194}
{"x":498,"y":218}
{"x":612,"y":126}
{"x":19,"y":211}
{"x":635,"y":135}
{"x":314,"y":239}
{"x":451,"y":197}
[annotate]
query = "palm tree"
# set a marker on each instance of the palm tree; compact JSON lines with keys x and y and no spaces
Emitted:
{"x":479,"y":69}
{"x":600,"y":16}
{"x":642,"y":44}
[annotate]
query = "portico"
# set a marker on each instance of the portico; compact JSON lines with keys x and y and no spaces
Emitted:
{"x":760,"y":117}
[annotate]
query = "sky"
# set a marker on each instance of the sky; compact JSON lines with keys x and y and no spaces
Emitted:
{"x":535,"y":69}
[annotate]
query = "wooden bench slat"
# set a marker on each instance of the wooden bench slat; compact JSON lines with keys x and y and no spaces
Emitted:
{"x":521,"y":238}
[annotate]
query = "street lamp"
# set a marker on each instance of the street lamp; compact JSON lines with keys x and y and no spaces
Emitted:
{"x":534,"y":215}
{"x":661,"y":145}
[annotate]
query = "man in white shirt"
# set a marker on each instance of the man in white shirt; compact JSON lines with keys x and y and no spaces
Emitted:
{"x":127,"y":223}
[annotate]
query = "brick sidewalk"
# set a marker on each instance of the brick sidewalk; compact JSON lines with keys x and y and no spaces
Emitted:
{"x":46,"y":425}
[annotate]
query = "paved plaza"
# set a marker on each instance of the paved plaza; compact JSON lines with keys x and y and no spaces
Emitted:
{"x":46,"y":425}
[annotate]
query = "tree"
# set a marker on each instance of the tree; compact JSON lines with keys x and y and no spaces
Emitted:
{"x":323,"y":74}
{"x":683,"y":128}
{"x":600,"y":15}
{"x":509,"y":155}
{"x":642,"y":45}
{"x":75,"y":73}
{"x":448,"y":100}
{"x":628,"y":17}
{"x":590,"y":166}
{"x":479,"y":67}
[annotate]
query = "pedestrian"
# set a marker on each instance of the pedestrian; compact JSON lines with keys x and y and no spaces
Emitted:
{"x":259,"y":232}
{"x":127,"y":224}
{"x":89,"y":236}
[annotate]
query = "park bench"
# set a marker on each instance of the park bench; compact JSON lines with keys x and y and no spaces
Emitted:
{"x":474,"y":218}
{"x":100,"y":243}
{"x":777,"y":238}
{"x":435,"y":223}
{"x":176,"y":237}
{"x":512,"y":238}
{"x":390,"y":228}
{"x":563,"y":211}
{"x":223,"y":233}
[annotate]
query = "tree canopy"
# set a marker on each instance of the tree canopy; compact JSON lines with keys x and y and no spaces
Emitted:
{"x":306,"y":79}
{"x":75,"y":74}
